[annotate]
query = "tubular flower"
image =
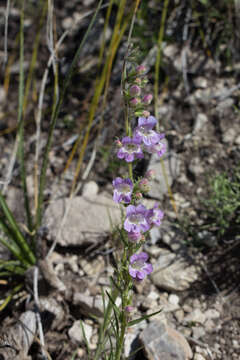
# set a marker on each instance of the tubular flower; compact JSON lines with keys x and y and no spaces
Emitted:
{"x":159,"y":148}
{"x":136,"y":219}
{"x":130,"y":149}
{"x":144,"y":131}
{"x":139,"y":268}
{"x":155,"y":215}
{"x":122,"y":190}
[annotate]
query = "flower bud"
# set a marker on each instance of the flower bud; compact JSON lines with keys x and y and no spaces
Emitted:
{"x":144,"y":185}
{"x":138,"y":195}
{"x":147,"y":99}
{"x":134,"y":102}
{"x":118,"y":143}
{"x":134,"y":90}
{"x":140,"y":69}
{"x":150,"y":175}
{"x":129,"y":308}
{"x":145,"y":113}
{"x":138,"y":81}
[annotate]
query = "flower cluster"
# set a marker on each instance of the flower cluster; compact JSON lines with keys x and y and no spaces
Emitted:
{"x":129,"y":192}
{"x":144,"y":139}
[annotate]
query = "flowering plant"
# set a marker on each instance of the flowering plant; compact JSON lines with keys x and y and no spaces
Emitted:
{"x":138,"y":220}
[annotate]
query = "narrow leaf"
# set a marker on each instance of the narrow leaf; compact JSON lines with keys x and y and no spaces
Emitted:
{"x":134,"y":322}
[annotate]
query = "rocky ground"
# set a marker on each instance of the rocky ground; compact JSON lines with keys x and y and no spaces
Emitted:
{"x":197,"y":287}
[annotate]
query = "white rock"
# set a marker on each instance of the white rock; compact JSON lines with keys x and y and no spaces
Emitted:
{"x":198,"y":332}
{"x":237,"y":140}
{"x":76,"y":333}
{"x":170,"y":51}
{"x":200,"y":122}
{"x":173,"y":299}
{"x":171,"y":165}
{"x":201,"y":82}
{"x":198,"y":357}
{"x":196,"y":316}
{"x":179,"y":314}
{"x":87,"y":219}
{"x":212,"y":314}
{"x":229,"y":136}
{"x":90,"y":189}
{"x":173,"y":273}
{"x":195,"y":166}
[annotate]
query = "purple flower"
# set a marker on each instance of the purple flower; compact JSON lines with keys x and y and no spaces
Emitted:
{"x":155,"y":215}
{"x":123,"y":190}
{"x":134,"y":237}
{"x":130,"y":149}
{"x":144,"y":131}
{"x":159,"y":148}
{"x":139,"y":268}
{"x":136,"y":219}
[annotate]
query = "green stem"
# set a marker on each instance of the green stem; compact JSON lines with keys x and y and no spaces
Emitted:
{"x":21,"y":121}
{"x":104,"y":326}
{"x":158,"y":59}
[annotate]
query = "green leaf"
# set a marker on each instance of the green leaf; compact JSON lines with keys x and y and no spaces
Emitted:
{"x":85,"y":338}
{"x":113,"y":304}
{"x":18,"y":237}
{"x":134,"y":322}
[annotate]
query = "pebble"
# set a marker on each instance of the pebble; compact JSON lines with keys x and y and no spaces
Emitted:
{"x":196,"y":316}
{"x":173,"y":299}
{"x":76,"y":333}
{"x":198,"y":357}
{"x":212,"y":314}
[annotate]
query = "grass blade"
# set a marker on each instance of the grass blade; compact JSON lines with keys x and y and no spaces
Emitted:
{"x":54,"y":119}
{"x":136,"y":321}
{"x":18,"y":237}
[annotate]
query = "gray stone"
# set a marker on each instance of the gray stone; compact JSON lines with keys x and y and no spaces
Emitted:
{"x":212,"y":314}
{"x":179,"y":314}
{"x":76,"y":333}
{"x":89,"y":305}
{"x":198,"y":332}
{"x":195,"y":166}
{"x":201,"y":82}
{"x":54,"y":307}
{"x":161,"y":342}
{"x":237,"y":140}
{"x":173,"y":299}
{"x":171,"y":165}
{"x":90,"y":189}
{"x":196,"y":316}
{"x":87,"y":220}
{"x":173,"y":273}
{"x":229,"y":136}
{"x":198,"y":357}
{"x":200,"y":122}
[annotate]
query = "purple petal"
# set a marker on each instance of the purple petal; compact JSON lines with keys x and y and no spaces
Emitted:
{"x":142,"y":256}
{"x":141,"y":209}
{"x":148,"y":268}
{"x":132,"y":272}
{"x":127,"y":198}
{"x":117,"y":181}
{"x":140,"y":275}
{"x":116,"y":196}
{"x":133,"y":258}
{"x":126,"y":140}
{"x":129,"y":157}
{"x":121,"y":154}
{"x":130,"y":210}
{"x":127,"y":226}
